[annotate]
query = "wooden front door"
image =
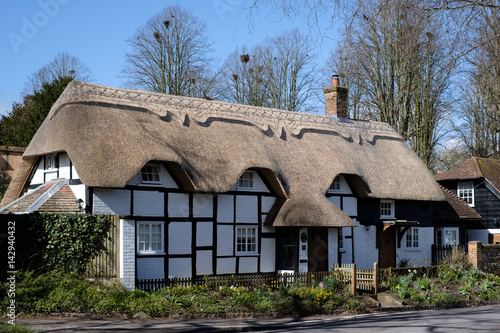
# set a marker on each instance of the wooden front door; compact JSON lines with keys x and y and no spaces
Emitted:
{"x":318,"y":249}
{"x":287,"y":248}
{"x":386,"y":241}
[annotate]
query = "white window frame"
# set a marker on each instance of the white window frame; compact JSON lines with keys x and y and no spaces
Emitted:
{"x":50,"y":163}
{"x":150,"y":173}
{"x":246,"y":242}
{"x":383,"y":208}
{"x":335,"y":185}
{"x":449,"y":236}
{"x":145,"y":246}
{"x":246,"y":178}
{"x":465,"y":190}
{"x":412,"y":239}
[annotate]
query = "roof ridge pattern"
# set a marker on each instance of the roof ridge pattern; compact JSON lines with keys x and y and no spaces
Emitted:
{"x":204,"y":111}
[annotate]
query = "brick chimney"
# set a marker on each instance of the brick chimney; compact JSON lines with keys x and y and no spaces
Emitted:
{"x":336,"y":99}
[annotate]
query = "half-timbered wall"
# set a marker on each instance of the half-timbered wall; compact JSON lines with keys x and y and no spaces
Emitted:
{"x":341,"y":244}
{"x":62,"y":169}
{"x":200,"y":229}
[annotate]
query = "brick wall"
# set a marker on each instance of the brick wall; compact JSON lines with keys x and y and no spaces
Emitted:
{"x":485,"y":256}
{"x":127,"y":253}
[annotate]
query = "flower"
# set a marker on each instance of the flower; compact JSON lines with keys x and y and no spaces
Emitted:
{"x":321,"y":284}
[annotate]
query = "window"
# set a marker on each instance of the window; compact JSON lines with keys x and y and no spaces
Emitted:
{"x":150,"y":174}
{"x":465,"y":191}
{"x":150,"y":237}
{"x":412,"y":237}
{"x":447,"y":236}
{"x":51,"y":162}
{"x":246,"y":240}
{"x":246,"y":180}
{"x":335,"y":185}
{"x":387,"y":208}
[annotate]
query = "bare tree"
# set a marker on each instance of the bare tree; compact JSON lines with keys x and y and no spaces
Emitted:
{"x":278,"y":73}
{"x":63,"y":65}
{"x":399,"y":57}
{"x":170,"y":55}
{"x":243,"y":77}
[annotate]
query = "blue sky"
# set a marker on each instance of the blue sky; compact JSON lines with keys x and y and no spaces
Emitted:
{"x":34,"y":31}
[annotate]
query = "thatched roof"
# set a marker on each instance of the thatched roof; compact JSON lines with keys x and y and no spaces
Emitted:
{"x":110,"y":133}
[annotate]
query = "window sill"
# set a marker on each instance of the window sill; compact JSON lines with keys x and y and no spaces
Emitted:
{"x":150,"y":253}
{"x":410,"y":249}
{"x":247,"y":254}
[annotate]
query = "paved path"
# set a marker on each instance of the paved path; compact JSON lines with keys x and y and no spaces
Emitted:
{"x":478,"y":319}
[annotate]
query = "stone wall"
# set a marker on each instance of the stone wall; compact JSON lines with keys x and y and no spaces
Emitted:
{"x":485,"y":256}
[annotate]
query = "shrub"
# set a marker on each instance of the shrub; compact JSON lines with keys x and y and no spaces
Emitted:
{"x":457,"y":258}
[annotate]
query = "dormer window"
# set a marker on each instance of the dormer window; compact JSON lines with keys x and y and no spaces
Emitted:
{"x":465,"y":191}
{"x":387,"y":209}
{"x":51,"y":162}
{"x":246,"y":180}
{"x":335,"y":185}
{"x":150,"y":174}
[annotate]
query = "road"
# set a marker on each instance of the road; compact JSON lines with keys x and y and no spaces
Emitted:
{"x":477,"y":319}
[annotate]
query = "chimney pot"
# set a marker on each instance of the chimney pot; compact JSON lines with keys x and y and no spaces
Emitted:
{"x":335,"y":80}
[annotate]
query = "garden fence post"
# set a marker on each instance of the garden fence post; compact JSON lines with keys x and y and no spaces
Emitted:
{"x":375,"y":278}
{"x":353,"y":279}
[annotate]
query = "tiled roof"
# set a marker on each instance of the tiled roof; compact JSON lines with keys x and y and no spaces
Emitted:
{"x":461,"y":208}
{"x":475,"y":167}
{"x":53,"y":196}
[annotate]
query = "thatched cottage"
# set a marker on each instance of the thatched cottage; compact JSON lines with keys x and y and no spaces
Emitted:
{"x":208,"y":187}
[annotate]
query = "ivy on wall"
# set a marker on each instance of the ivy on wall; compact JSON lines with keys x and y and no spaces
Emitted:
{"x":72,"y":240}
{"x":57,"y":241}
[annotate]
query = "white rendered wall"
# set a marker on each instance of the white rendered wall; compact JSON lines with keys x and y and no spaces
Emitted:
{"x":333,"y":246}
{"x":64,"y":166}
{"x":420,"y":256}
{"x":225,"y":240}
{"x":179,"y":267}
{"x":111,"y":201}
{"x":203,"y":205}
{"x":225,"y":208}
{"x":268,"y":255}
{"x":38,"y":176}
{"x":246,"y":209}
{"x":226,"y":265}
{"x":248,"y":265}
{"x":204,"y":233}
{"x":178,"y":205}
{"x":151,"y":268}
{"x":365,"y":251}
{"x":179,"y":237}
{"x":149,"y":203}
{"x":204,"y":262}
{"x":127,"y":253}
{"x":79,"y":191}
